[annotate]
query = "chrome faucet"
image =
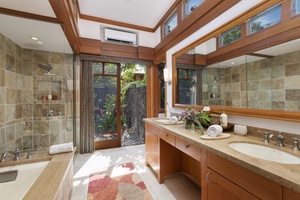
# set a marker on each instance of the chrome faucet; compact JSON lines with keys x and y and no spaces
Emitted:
{"x":3,"y":156}
{"x":280,"y":139}
{"x":266,"y":136}
{"x":16,"y":153}
{"x":296,"y":144}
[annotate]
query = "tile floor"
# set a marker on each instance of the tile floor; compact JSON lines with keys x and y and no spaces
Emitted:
{"x":176,"y":186}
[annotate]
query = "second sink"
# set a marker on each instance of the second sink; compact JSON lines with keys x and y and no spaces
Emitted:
{"x":264,"y":152}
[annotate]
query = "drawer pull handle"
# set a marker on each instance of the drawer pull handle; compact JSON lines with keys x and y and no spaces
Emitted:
{"x":207,"y":178}
{"x":166,"y":135}
{"x":186,"y":146}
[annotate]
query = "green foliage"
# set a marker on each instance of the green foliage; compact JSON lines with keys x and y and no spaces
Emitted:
{"x":231,"y":35}
{"x":204,"y":118}
{"x":107,"y":120}
{"x":128,"y":76}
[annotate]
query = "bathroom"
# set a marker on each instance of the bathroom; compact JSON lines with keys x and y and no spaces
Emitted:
{"x":26,"y":118}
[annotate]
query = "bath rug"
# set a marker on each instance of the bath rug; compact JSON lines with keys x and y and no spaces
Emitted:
{"x":120,"y":182}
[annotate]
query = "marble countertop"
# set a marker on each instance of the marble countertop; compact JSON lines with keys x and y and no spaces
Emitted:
{"x":48,"y":183}
{"x":285,"y":174}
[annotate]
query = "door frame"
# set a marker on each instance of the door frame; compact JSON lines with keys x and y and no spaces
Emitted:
{"x":105,"y":144}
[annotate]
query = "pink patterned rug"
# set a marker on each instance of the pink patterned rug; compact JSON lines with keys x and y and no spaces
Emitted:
{"x":120,"y":182}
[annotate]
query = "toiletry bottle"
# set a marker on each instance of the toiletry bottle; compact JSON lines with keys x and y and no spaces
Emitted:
{"x":49,"y":97}
{"x":223,"y":119}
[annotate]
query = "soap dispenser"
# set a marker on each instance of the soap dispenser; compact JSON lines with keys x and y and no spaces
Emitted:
{"x":223,"y":119}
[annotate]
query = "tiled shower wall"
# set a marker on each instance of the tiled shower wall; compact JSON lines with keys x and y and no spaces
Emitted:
{"x":23,"y":113}
{"x":265,"y":84}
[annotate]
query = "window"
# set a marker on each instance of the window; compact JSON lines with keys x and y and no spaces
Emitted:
{"x":265,"y":19}
{"x":230,"y":35}
{"x":170,"y":24}
{"x":191,"y":5}
{"x":296,"y":7}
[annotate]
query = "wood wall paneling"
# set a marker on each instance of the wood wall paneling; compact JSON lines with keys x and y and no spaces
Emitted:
{"x":90,"y":46}
{"x":64,"y":14}
{"x":187,"y":27}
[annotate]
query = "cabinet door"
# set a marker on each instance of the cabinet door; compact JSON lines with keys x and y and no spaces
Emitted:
{"x":220,"y":188}
{"x":289,"y":194}
{"x":151,"y":150}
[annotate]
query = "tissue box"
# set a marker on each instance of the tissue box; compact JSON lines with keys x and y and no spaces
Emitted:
{"x":240,"y":130}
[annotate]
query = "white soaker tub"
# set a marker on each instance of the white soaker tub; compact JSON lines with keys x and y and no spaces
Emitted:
{"x":27,"y":174}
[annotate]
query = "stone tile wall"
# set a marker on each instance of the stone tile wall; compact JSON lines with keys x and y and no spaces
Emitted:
{"x":265,"y":84}
{"x":23,"y":119}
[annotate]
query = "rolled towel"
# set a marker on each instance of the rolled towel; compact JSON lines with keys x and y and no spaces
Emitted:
{"x":214,"y":130}
{"x":61,"y":148}
{"x":173,"y":120}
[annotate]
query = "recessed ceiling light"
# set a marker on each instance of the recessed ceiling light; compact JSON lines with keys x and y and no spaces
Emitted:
{"x":34,"y":38}
{"x":40,"y":42}
{"x":232,"y":63}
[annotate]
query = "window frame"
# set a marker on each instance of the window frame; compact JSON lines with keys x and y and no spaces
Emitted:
{"x":172,"y":16}
{"x":186,"y":7}
{"x":221,"y":41}
{"x":295,"y":5}
{"x":262,"y":14}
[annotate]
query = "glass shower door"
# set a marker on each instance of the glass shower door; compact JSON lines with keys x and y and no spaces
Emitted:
{"x":107,"y":107}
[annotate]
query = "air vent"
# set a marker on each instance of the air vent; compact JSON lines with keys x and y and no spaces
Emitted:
{"x":118,"y":36}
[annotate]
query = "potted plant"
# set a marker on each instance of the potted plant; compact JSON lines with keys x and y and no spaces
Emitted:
{"x":191,"y":117}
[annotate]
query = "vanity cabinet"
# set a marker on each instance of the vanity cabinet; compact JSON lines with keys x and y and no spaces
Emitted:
{"x":289,"y":194}
{"x":220,"y":178}
{"x":233,"y":179}
{"x":220,"y":188}
{"x":151,"y":146}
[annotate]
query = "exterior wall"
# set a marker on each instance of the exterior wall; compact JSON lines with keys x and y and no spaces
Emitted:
{"x":23,"y":119}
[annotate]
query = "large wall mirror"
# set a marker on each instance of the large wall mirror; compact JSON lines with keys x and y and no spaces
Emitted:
{"x":264,"y":82}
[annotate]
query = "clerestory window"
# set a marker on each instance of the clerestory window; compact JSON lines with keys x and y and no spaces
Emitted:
{"x":265,"y":19}
{"x":230,"y":35}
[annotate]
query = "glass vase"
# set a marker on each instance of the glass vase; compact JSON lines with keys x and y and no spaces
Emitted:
{"x":189,"y":124}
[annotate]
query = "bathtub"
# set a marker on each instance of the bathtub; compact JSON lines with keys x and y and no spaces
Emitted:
{"x":27,"y":174}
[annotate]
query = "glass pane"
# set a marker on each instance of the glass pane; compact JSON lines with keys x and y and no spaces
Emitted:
{"x":182,"y":73}
{"x":191,"y":73}
{"x":265,"y":19}
{"x":231,"y":35}
{"x":97,"y":68}
{"x":191,"y":5}
{"x":296,"y":7}
{"x":105,"y":89}
{"x":110,"y":68}
{"x":187,"y":91}
{"x":171,"y":24}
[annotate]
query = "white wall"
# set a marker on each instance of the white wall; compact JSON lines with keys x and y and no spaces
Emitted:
{"x":94,"y":30}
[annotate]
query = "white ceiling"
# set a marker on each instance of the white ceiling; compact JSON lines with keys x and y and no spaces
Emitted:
{"x":146,"y":13}
{"x":138,"y":12}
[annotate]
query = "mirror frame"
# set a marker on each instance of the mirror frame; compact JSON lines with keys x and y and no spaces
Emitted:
{"x":249,"y":112}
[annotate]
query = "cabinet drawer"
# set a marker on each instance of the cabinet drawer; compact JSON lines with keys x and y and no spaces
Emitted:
{"x":151,"y":128}
{"x":188,"y":148}
{"x":168,"y":137}
{"x":254,"y":183}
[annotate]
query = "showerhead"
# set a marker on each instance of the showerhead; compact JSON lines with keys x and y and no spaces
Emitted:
{"x":46,"y":67}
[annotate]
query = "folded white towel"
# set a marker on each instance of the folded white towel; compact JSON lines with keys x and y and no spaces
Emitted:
{"x":61,"y":148}
{"x":173,"y":120}
{"x":214,"y":130}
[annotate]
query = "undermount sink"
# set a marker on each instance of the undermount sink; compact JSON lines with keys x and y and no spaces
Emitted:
{"x":264,"y":152}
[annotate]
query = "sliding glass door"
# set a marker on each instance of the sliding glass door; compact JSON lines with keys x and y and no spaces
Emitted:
{"x":107,"y":108}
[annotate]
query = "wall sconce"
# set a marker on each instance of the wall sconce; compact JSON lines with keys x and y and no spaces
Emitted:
{"x":166,"y":76}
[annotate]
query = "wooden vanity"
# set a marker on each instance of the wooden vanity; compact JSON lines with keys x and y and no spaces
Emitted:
{"x":220,"y":172}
